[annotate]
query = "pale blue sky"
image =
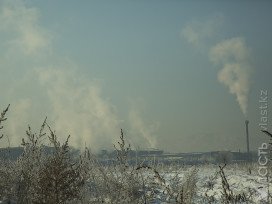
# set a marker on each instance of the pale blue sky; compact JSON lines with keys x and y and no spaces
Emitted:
{"x":151,"y":80}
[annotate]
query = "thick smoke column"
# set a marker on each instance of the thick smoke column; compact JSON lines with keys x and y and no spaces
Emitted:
{"x":233,"y":55}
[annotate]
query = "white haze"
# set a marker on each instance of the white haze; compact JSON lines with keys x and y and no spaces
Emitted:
{"x":38,"y":83}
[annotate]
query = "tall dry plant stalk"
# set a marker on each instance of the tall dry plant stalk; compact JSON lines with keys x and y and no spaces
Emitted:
{"x":3,"y":118}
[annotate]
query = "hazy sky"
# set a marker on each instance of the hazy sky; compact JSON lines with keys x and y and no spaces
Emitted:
{"x":177,"y":75}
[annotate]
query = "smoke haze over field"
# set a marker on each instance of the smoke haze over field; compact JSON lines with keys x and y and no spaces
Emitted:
{"x":72,"y":101}
{"x":151,"y":68}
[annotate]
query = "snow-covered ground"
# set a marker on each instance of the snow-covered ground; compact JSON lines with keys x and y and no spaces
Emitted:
{"x":242,"y":179}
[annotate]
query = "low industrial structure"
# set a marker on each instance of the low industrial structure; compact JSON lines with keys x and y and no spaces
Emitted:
{"x":158,"y":156}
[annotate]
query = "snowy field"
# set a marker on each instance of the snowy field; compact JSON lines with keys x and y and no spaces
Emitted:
{"x":243,"y":179}
{"x":201,"y":184}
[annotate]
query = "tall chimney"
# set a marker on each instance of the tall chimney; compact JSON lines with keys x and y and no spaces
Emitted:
{"x":247,"y":138}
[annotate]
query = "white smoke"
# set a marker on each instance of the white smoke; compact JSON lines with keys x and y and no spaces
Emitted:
{"x":196,"y":32}
{"x":79,"y":109}
{"x":233,"y":55}
{"x":73,"y":103}
{"x":22,"y":22}
{"x":143,"y":134}
{"x":38,"y":84}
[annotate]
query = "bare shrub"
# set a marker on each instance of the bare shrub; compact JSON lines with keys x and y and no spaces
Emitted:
{"x":7,"y":179}
{"x":188,"y":188}
{"x":59,"y":179}
{"x":37,"y":177}
{"x":228,"y":196}
{"x":29,"y":164}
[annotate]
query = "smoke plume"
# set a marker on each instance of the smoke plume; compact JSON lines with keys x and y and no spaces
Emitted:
{"x":143,"y":133}
{"x":233,"y":56}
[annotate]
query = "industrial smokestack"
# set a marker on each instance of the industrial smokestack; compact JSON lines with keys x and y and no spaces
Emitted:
{"x":247,"y":137}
